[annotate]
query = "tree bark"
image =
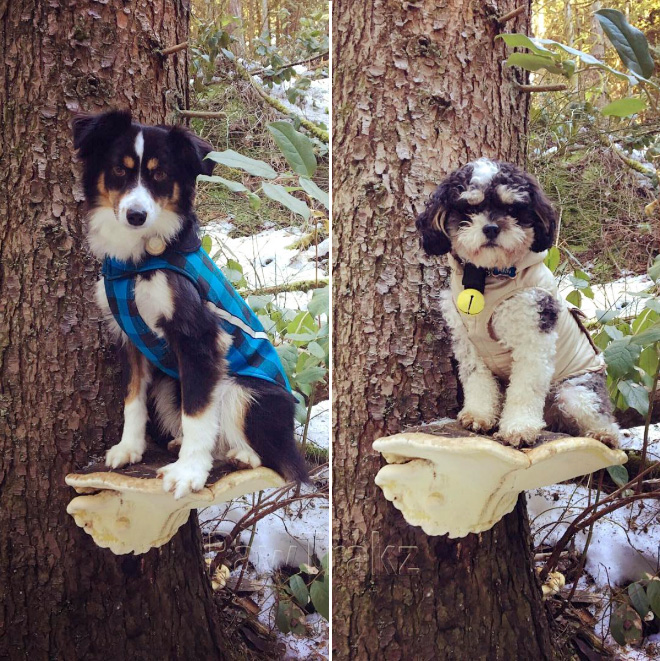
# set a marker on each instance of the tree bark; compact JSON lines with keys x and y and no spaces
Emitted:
{"x":420,"y":89}
{"x":61,"y":597}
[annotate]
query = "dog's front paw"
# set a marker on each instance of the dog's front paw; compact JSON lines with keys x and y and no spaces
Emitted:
{"x":182,"y":477}
{"x":517,"y":434}
{"x":122,"y":454}
{"x":608,"y":437}
{"x":477,"y":422}
{"x":245,"y":457}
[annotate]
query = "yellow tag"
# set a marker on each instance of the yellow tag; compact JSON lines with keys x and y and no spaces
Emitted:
{"x":470,"y":301}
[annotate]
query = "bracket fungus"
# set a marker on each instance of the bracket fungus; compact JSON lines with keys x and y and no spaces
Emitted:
{"x":127,"y":510}
{"x":453,"y":482}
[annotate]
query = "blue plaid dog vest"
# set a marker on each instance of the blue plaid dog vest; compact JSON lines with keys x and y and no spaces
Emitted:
{"x":251,"y":352}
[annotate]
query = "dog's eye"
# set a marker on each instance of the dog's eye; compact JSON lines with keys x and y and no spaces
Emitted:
{"x":118,"y":171}
{"x":160,"y":175}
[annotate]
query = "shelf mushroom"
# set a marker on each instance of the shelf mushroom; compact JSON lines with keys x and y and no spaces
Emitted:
{"x":453,"y":482}
{"x":127,"y":510}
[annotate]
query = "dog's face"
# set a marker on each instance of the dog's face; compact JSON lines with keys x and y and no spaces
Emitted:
{"x":139,"y":180}
{"x":488,"y":213}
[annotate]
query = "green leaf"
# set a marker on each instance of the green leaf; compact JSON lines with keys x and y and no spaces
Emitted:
{"x":649,"y":336}
{"x":575,"y":298}
{"x":233,"y":159}
{"x":207,"y":244}
{"x":255,"y":201}
{"x":619,"y":475}
{"x":289,"y":356}
{"x":321,"y":597}
{"x":613,"y":332}
{"x":653,"y":304}
{"x":639,"y":599}
{"x":296,"y":147}
{"x":635,"y":396}
{"x":316,"y":350}
{"x":523,"y":41}
{"x":324,"y":561}
{"x":654,"y":271}
{"x":279,"y":194}
{"x":620,"y":357}
{"x":531,"y":62}
{"x":314,"y":191}
{"x":590,"y":60}
{"x":626,"y":625}
{"x":289,"y":618}
{"x":553,"y":258}
{"x":258,"y":303}
{"x":624,"y":107}
{"x":653,"y":594}
{"x":311,"y":375}
{"x":630,"y":43}
{"x":299,"y":590}
{"x":603,"y":316}
{"x":320,"y":303}
{"x":234,"y":186}
{"x":648,"y":361}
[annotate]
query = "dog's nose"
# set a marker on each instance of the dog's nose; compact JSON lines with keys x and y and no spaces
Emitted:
{"x":491,"y":231}
{"x":136,"y":217}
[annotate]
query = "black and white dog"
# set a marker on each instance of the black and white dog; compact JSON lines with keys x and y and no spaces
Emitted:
{"x":495,"y":224}
{"x":139,"y":184}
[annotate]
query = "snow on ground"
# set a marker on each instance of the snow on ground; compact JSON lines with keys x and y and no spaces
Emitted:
{"x":625,"y":543}
{"x":615,"y":295}
{"x":315,"y":101}
{"x":301,"y":532}
{"x":267,"y":258}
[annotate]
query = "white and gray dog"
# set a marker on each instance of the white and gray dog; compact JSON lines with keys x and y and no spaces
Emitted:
{"x":495,"y":224}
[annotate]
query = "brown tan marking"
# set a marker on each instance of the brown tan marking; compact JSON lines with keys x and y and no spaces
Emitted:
{"x":109,"y":198}
{"x":136,"y":367}
{"x":170,"y":203}
{"x":129,"y":161}
{"x":152,"y":164}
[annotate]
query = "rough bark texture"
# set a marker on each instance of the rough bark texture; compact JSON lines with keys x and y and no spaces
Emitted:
{"x":419,"y":89}
{"x":61,"y":597}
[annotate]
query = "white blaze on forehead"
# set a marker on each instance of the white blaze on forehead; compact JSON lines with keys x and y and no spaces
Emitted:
{"x":483,"y":170}
{"x":139,"y":145}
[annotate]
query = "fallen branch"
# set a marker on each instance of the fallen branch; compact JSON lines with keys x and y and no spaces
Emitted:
{"x":505,"y":18}
{"x":303,"y":285}
{"x":531,"y":89}
{"x":289,"y":64}
{"x":173,"y":49}
{"x":315,"y":130}
{"x":202,"y":114}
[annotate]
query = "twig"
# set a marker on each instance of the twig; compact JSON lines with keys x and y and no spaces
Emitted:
{"x":647,"y":425}
{"x":202,"y":114}
{"x":530,"y":89}
{"x":289,"y":64}
{"x":173,"y":49}
{"x":302,"y":285}
{"x":505,"y":18}
{"x":252,"y":533}
{"x":580,"y":521}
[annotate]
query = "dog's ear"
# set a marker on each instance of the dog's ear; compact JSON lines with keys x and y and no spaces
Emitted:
{"x":430,"y":223}
{"x":191,"y":149}
{"x":545,"y":222}
{"x":93,"y":132}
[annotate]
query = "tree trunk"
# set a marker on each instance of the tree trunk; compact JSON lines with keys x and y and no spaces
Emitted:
{"x":61,"y":597}
{"x":420,"y":89}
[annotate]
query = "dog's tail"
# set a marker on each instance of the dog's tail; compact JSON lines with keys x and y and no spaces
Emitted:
{"x":269,"y":428}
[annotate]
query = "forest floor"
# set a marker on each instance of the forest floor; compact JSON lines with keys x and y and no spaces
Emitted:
{"x":263,"y":243}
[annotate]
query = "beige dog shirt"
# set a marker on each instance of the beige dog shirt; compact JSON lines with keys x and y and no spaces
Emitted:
{"x":575,"y":353}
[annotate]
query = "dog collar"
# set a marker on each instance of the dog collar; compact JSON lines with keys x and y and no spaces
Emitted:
{"x":471,"y":300}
